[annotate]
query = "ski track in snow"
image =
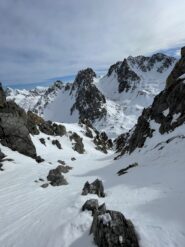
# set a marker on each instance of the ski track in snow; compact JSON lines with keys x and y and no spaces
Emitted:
{"x":150,"y":194}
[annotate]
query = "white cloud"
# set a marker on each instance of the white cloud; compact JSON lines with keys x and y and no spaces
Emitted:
{"x":41,"y":39}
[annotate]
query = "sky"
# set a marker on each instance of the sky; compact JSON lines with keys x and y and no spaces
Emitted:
{"x":45,"y":39}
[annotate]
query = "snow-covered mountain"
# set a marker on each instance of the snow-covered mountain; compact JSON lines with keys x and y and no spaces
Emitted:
{"x":120,"y":96}
{"x":35,"y":99}
{"x":112,"y":102}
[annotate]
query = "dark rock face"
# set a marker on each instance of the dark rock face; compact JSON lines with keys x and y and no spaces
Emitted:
{"x":88,"y":133}
{"x":33,"y":122}
{"x":178,"y":70}
{"x":46,"y":127}
{"x":89,"y":100}
{"x":53,"y":129}
{"x":14,"y":132}
{"x":78,"y":145}
{"x":102,"y":142}
{"x":56,"y":178}
{"x":128,"y":78}
{"x":94,"y":188}
{"x":91,"y":205}
{"x":111,"y":229}
{"x":171,"y":100}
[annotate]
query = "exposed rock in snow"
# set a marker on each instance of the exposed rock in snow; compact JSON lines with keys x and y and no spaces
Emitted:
{"x":78,"y":145}
{"x":14,"y":132}
{"x":55,"y":177}
{"x":89,"y":102}
{"x":94,"y":188}
{"x":111,"y":229}
{"x":91,"y":205}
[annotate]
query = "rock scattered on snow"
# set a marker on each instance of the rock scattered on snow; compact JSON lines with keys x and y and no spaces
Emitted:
{"x":125,"y":170}
{"x":94,"y":188}
{"x":57,"y":143}
{"x":45,"y":185}
{"x":42,"y":140}
{"x":56,"y":178}
{"x":78,"y":145}
{"x":61,"y":162}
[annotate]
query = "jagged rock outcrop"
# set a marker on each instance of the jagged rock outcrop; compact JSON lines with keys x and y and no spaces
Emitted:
{"x":78,"y":145}
{"x":102,"y":142}
{"x":112,"y":229}
{"x":94,"y":188}
{"x":55,"y":177}
{"x":91,"y":205}
{"x":178,"y":70}
{"x":127,"y":70}
{"x":168,"y":110}
{"x":14,"y":132}
{"x":90,"y":102}
{"x":47,"y":127}
{"x":127,"y":78}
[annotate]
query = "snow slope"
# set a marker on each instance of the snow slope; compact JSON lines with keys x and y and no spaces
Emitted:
{"x":151,"y":195}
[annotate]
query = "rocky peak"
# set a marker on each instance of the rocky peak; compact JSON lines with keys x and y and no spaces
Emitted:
{"x":89,"y":100}
{"x":168,"y":103}
{"x":131,"y":70}
{"x":127,"y":78}
{"x":85,"y":76}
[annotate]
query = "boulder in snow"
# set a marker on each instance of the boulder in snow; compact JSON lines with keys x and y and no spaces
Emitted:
{"x":112,"y":229}
{"x":94,"y":188}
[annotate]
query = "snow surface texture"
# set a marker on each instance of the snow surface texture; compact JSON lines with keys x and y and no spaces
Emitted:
{"x":151,"y":194}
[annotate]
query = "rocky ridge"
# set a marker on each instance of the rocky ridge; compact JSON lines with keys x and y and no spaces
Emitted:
{"x":90,"y":102}
{"x":167,"y":110}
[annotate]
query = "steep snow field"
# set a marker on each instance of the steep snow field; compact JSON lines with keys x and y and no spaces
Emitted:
{"x":151,"y":195}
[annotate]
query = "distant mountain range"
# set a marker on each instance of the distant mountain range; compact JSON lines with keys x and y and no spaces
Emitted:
{"x":115,"y":100}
